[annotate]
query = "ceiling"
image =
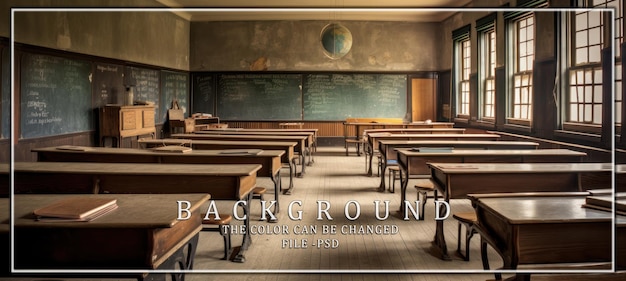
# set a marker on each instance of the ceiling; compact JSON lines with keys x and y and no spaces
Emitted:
{"x":337,"y":10}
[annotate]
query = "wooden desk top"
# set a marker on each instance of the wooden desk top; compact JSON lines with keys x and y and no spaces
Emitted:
{"x":128,"y":214}
{"x":136,"y":151}
{"x":542,"y":209}
{"x":252,"y":132}
{"x":240,"y":137}
{"x":428,"y":136}
{"x":469,"y":152}
{"x":216,"y":142}
{"x":620,"y":169}
{"x":490,"y":168}
{"x":417,"y":143}
{"x":137,"y":168}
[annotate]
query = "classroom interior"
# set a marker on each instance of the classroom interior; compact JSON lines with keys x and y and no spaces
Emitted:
{"x":344,"y":104}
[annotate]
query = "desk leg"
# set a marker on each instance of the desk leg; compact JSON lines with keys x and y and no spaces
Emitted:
{"x":291,"y":172}
{"x":381,"y":186}
{"x":277,"y":188}
{"x":439,"y":244}
{"x":182,"y":259}
{"x":369,"y":169}
{"x":302,"y":164}
{"x":246,"y":237}
{"x":404,"y":182}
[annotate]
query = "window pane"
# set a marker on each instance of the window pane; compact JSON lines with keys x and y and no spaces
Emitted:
{"x":597,"y":114}
{"x":587,"y":114}
{"x":597,"y":94}
{"x":573,"y":112}
{"x":594,"y":53}
{"x":581,"y":21}
{"x":581,"y":56}
{"x":581,"y":39}
{"x":572,"y":95}
{"x":588,"y":94}
{"x":595,"y":36}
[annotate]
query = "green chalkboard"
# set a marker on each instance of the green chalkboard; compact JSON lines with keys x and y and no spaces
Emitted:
{"x":259,"y":97}
{"x":203,"y":92}
{"x":341,"y":96}
{"x":55,"y":96}
{"x":174,"y":85}
{"x":145,"y":84}
{"x":6,"y":93}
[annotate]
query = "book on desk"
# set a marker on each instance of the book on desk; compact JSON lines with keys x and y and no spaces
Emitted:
{"x":433,"y":149}
{"x":76,"y":209}
{"x":605,"y":202}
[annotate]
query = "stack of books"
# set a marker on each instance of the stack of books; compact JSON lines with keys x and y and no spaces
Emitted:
{"x":79,"y":208}
{"x":605,"y":202}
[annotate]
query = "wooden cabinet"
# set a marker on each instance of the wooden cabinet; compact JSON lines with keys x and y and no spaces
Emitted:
{"x":118,"y":122}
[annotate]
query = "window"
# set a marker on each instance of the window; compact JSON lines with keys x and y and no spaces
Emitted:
{"x":523,"y":55}
{"x":462,"y":56}
{"x":584,"y":101}
{"x":487,"y":72}
{"x":618,"y":7}
{"x":465,"y":61}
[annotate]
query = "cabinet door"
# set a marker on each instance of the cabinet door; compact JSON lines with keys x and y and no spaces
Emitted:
{"x":148,"y":118}
{"x":129,"y":120}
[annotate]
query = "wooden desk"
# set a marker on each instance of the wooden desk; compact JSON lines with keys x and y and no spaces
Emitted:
{"x":309,"y":141}
{"x":532,"y":230}
{"x":223,"y":182}
{"x":387,"y":147}
{"x":288,"y":158}
{"x":360,"y":126}
{"x":413,"y":163}
{"x":374,"y":139}
{"x":136,"y":236}
{"x":456,"y":181}
{"x":268,"y":159}
{"x":620,"y":178}
{"x":299,"y":140}
{"x":291,"y":125}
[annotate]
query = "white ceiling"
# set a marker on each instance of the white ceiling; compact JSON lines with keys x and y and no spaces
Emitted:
{"x":337,"y":10}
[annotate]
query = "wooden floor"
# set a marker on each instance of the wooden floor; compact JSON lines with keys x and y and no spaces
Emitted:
{"x":338,"y":179}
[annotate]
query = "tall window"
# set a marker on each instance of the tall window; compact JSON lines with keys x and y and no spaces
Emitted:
{"x":618,"y":7}
{"x":464,"y":63}
{"x":523,"y":43}
{"x":585,"y":72}
{"x":488,"y":73}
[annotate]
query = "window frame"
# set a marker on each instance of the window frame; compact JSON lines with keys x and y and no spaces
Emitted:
{"x":513,"y":70}
{"x":487,"y":56}
{"x":462,"y":69}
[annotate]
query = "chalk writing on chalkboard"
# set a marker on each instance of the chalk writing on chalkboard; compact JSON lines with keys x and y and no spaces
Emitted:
{"x":259,"y":97}
{"x":340,"y":96}
{"x":203,"y":93}
{"x":55,"y":96}
{"x":108,"y":84}
{"x":175,"y":86}
{"x":146,"y":85}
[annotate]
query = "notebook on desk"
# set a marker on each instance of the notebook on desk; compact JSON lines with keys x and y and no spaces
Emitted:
{"x":76,"y":209}
{"x":241,"y":151}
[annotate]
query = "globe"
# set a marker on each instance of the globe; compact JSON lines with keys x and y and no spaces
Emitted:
{"x":336,"y":40}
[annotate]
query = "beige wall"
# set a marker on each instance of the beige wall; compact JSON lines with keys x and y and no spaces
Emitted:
{"x":295,"y":46}
{"x":154,"y":38}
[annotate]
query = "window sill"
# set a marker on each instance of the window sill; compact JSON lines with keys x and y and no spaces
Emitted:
{"x":484,"y":124}
{"x":587,"y":137}
{"x":517,"y":128}
{"x":461,"y":120}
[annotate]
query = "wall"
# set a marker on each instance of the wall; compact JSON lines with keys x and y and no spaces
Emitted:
{"x":295,"y":45}
{"x":154,"y":38}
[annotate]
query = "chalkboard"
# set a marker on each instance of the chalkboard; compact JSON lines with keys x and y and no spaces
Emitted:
{"x":259,"y":97}
{"x":203,"y":92}
{"x":340,"y":96}
{"x":174,"y":85}
{"x":55,"y":96}
{"x":108,"y":85}
{"x":146,"y":85}
{"x":6,"y":93}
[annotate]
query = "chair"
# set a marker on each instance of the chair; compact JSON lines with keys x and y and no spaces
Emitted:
{"x":357,"y":143}
{"x":423,"y":186}
{"x":468,"y":219}
{"x":222,"y":226}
